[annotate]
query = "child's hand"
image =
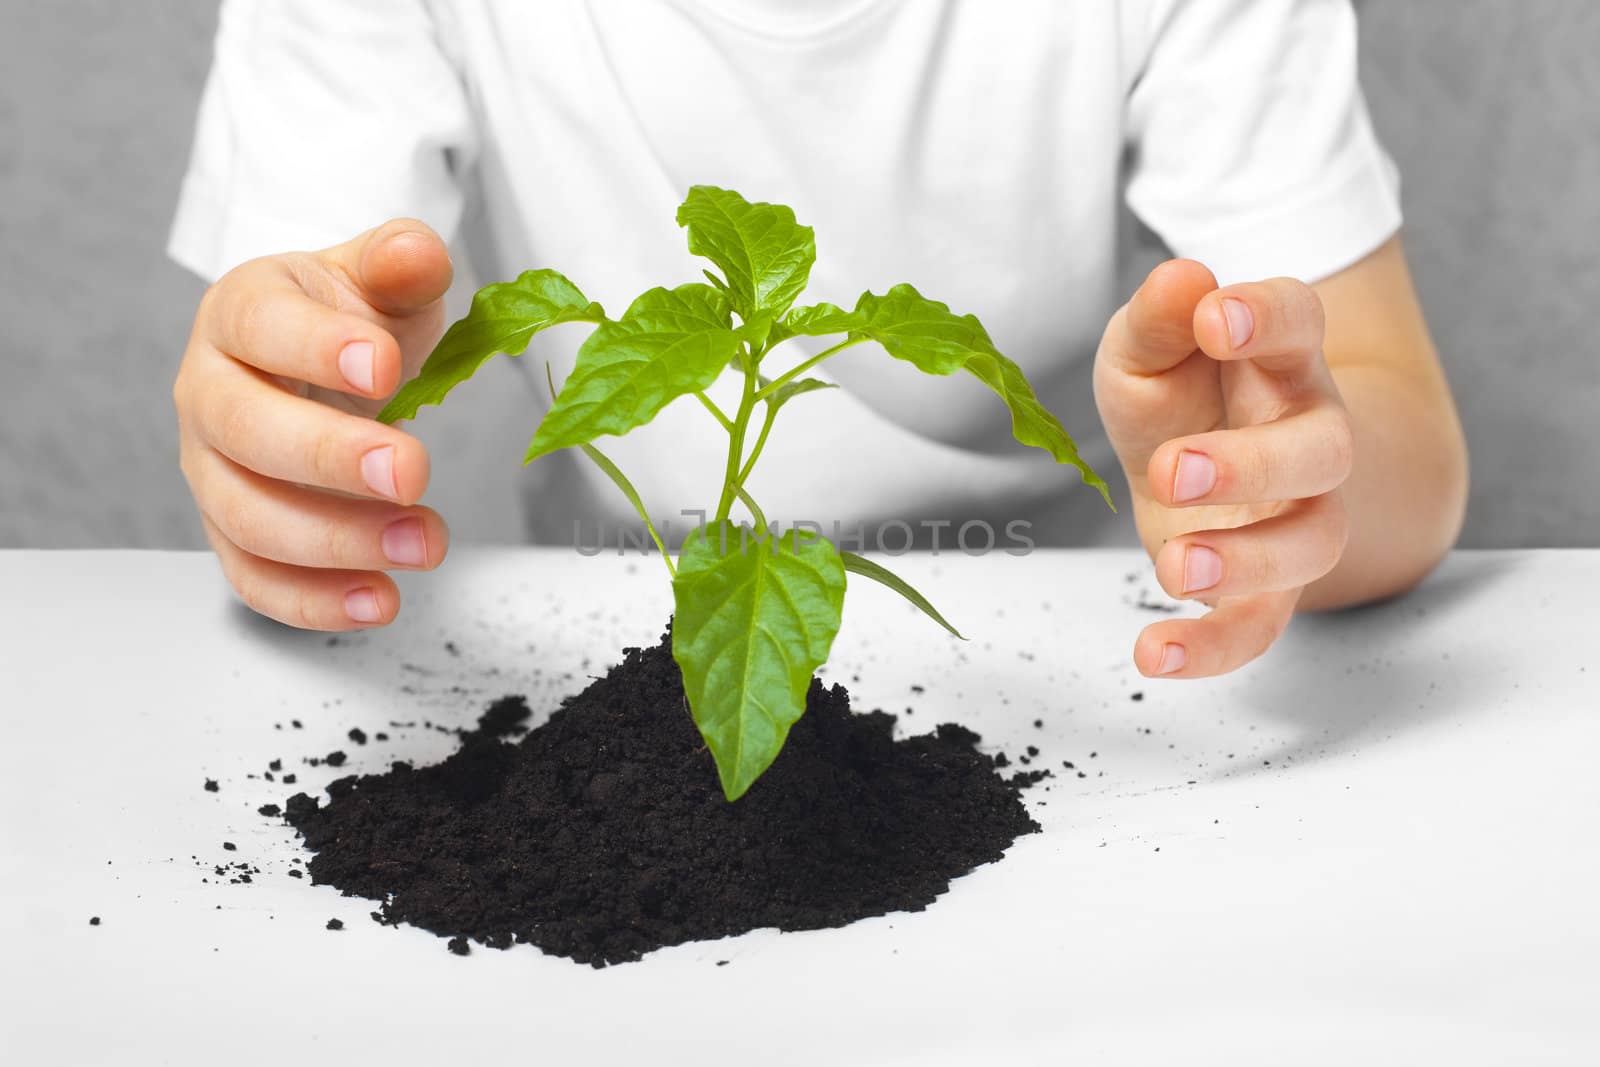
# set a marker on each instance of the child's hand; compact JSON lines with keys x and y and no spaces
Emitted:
{"x":305,"y":498}
{"x":1235,"y":442}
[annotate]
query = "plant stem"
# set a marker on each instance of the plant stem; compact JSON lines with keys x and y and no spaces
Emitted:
{"x":716,"y":412}
{"x":755,"y":510}
{"x":761,"y":441}
{"x":791,"y":375}
{"x":741,"y":422}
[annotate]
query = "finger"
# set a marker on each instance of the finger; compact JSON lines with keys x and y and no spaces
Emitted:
{"x":1287,"y":551}
{"x":1154,"y":332}
{"x":1237,"y":631}
{"x":311,"y":599}
{"x":1279,"y":322}
{"x":1151,"y":382}
{"x":289,"y":524}
{"x":259,"y":426}
{"x":399,"y":268}
{"x":260,"y":315}
{"x":1302,"y":455}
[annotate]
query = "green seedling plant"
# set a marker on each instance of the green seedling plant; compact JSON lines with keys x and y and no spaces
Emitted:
{"x":755,"y":610}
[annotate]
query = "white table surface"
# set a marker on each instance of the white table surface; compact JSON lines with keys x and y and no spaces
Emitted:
{"x":1378,"y":845}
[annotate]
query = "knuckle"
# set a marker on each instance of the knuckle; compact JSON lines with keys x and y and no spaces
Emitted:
{"x":249,"y":318}
{"x":233,"y":423}
{"x":186,"y":466}
{"x":1315,"y":313}
{"x":340,"y":546}
{"x":1295,"y":309}
{"x":237,"y":516}
{"x":303,"y":609}
{"x":1270,"y":629}
{"x":1341,"y":443}
{"x":327,"y":460}
{"x":1338,"y":522}
{"x":1259,"y":473}
{"x":1256,"y":566}
{"x":252,"y":591}
{"x":215,"y":294}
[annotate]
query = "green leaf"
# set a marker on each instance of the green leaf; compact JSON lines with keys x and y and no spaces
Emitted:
{"x":620,"y":480}
{"x":867,"y":569}
{"x":755,"y":331}
{"x":765,"y":256}
{"x":753,"y":620}
{"x":789,"y":390}
{"x":817,"y":320}
{"x":931,"y":337}
{"x":668,"y":343}
{"x":502,"y":319}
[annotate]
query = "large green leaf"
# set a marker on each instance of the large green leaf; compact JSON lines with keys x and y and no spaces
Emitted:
{"x":668,"y":343}
{"x":753,"y":620}
{"x":502,"y":319}
{"x":928,"y":335}
{"x":765,"y":256}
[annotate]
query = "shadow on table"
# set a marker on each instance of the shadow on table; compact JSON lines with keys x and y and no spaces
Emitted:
{"x":1375,"y":671}
{"x":412,"y":660}
{"x":442,"y":659}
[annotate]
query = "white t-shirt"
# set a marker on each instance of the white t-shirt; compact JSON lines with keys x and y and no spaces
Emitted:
{"x":975,"y":148}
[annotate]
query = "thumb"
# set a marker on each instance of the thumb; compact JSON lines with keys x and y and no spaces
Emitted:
{"x":1157,"y":328}
{"x":1151,"y":381}
{"x":399,"y":268}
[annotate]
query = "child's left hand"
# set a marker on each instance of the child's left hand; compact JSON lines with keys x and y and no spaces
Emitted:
{"x":1235,"y":443}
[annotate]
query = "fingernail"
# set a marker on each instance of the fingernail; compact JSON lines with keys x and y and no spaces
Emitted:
{"x":358,"y":363}
{"x":1173,"y":658}
{"x":1195,"y":477}
{"x":404,"y":544}
{"x":377,"y":470}
{"x":1241,"y":324}
{"x":362,"y":605}
{"x":1202,"y":568}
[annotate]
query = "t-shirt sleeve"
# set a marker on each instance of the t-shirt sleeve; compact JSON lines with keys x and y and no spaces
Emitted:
{"x":1251,"y":149}
{"x":320,"y":120}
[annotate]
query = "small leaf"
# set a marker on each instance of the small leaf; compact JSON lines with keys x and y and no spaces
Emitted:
{"x":620,"y":480}
{"x":668,"y":343}
{"x":789,"y":390}
{"x":754,"y":618}
{"x":764,"y":254}
{"x":502,"y":319}
{"x":755,"y":331}
{"x":927,"y":334}
{"x":817,"y":320}
{"x":867,"y":569}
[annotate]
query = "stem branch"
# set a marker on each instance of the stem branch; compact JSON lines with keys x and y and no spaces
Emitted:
{"x":741,"y":422}
{"x":791,"y":375}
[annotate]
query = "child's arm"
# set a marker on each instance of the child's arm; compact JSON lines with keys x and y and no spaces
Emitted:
{"x":1294,"y":446}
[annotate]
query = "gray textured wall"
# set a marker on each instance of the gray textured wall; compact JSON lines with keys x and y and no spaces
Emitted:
{"x":1492,"y":109}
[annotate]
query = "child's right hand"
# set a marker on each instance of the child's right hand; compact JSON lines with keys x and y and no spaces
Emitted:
{"x":305,"y":498}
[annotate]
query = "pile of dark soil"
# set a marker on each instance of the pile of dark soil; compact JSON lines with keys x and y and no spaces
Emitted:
{"x":603,"y":833}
